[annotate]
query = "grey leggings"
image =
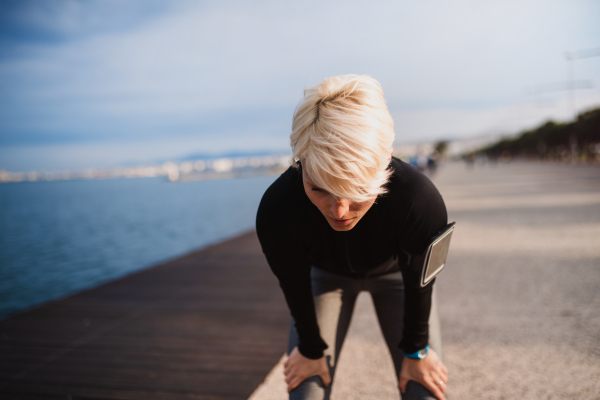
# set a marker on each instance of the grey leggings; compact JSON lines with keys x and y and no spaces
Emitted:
{"x":335,"y":296}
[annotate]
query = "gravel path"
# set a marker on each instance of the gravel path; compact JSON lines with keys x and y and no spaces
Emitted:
{"x":519,"y":300}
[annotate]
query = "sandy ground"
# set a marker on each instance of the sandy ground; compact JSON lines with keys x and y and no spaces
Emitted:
{"x":519,"y":299}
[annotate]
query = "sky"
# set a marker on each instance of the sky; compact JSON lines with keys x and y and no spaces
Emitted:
{"x":87,"y":84}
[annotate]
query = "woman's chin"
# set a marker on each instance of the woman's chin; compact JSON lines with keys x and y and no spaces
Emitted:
{"x":341,"y":227}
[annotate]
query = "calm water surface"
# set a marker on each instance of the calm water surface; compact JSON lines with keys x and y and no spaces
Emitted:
{"x":57,"y":238}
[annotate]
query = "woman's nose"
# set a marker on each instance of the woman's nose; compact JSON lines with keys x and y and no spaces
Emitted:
{"x":339,"y":207}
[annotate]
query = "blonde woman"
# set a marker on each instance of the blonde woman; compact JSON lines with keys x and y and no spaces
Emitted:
{"x":346,"y":218}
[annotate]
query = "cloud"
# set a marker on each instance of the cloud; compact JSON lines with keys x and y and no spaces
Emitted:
{"x":48,"y":22}
{"x":180,"y":70}
{"x":452,"y":123}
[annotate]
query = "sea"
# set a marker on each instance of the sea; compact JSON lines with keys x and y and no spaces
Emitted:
{"x":58,"y":238}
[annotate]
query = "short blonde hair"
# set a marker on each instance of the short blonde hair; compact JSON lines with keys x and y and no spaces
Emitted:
{"x":342,"y":134}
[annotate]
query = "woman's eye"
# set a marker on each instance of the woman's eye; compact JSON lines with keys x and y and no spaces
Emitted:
{"x":318,"y":190}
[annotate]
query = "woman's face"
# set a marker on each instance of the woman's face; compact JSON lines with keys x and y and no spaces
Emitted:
{"x":341,"y":214}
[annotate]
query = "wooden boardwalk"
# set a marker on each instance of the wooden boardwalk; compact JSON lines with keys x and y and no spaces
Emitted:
{"x":208,"y":325}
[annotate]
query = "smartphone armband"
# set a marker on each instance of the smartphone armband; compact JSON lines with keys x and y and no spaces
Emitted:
{"x":433,"y":260}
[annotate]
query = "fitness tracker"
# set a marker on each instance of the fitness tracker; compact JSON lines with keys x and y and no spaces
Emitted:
{"x":419,"y":354}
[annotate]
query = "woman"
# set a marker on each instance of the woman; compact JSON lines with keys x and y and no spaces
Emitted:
{"x":346,"y":218}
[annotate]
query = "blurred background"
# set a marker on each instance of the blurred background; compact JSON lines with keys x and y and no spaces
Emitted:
{"x":169,"y":98}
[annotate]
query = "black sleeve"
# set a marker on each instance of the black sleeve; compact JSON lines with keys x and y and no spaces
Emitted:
{"x":422,"y":215}
{"x":289,"y":261}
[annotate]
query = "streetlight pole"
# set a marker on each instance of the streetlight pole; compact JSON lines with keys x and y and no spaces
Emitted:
{"x":571,"y":56}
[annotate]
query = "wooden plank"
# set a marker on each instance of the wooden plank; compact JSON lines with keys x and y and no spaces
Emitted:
{"x":228,"y":363}
{"x":231,"y":365}
{"x":208,"y":325}
{"x":37,"y":391}
{"x":31,"y":391}
{"x":191,"y":382}
{"x":163,"y":343}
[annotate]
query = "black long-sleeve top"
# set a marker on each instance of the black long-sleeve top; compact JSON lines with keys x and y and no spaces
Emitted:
{"x":294,"y":236}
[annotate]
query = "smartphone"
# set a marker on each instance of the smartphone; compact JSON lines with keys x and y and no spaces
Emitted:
{"x":436,"y":253}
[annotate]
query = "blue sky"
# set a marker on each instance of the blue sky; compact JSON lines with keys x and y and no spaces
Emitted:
{"x":101,"y":83}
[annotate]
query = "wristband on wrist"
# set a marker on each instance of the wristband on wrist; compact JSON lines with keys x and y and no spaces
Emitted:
{"x":419,"y":354}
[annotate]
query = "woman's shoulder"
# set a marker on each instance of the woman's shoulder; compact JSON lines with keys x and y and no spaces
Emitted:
{"x":283,"y":190}
{"x":418,"y":208}
{"x":411,"y":191}
{"x":281,"y":201}
{"x":408,"y":183}
{"x":405,"y":174}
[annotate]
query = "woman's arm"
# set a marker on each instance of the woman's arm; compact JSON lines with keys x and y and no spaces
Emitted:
{"x":287,"y":255}
{"x":419,"y":216}
{"x":294,"y":280}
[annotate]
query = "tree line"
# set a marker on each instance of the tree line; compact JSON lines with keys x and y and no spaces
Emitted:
{"x":578,"y":140}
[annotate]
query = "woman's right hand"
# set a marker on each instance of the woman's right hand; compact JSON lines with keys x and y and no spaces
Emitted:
{"x":429,"y":372}
{"x":298,"y":368}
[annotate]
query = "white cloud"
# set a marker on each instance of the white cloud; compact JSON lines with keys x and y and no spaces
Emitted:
{"x":447,"y":68}
{"x":455,"y":123}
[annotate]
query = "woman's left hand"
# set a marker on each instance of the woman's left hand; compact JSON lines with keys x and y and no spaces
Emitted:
{"x":429,"y":372}
{"x":297,"y":368}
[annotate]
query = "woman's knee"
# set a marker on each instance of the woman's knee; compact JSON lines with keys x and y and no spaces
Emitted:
{"x":416,"y":391}
{"x":311,"y":389}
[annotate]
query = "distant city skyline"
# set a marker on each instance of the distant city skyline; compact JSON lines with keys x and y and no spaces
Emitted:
{"x":96,"y":84}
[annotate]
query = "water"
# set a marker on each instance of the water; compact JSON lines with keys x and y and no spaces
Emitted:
{"x":57,"y":238}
